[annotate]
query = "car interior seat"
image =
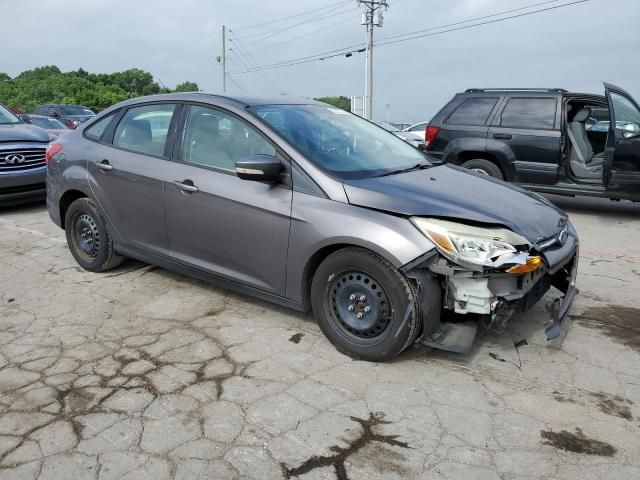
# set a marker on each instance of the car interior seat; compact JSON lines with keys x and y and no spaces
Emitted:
{"x":205,"y":145}
{"x":584,"y":164}
{"x":137,"y":136}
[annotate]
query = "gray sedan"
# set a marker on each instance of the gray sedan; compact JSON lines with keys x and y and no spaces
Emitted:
{"x":311,"y":207}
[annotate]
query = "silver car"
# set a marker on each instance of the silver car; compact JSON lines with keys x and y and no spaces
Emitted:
{"x":311,"y":207}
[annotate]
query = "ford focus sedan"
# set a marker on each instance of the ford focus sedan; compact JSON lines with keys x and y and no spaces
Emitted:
{"x":310,"y":207}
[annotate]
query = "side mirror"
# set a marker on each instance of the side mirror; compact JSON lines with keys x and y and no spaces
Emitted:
{"x":25,"y":118}
{"x":54,"y":114}
{"x":259,"y":168}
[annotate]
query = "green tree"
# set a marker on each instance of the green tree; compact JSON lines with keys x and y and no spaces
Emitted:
{"x":187,"y":87}
{"x":48,"y":84}
{"x":341,"y":102}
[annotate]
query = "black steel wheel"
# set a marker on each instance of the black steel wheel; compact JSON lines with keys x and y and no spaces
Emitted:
{"x":360,"y":301}
{"x":88,"y":237}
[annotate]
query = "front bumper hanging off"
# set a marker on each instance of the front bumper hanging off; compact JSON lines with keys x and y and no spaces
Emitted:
{"x":495,"y":297}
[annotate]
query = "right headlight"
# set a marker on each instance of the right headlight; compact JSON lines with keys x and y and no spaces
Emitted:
{"x":477,"y":247}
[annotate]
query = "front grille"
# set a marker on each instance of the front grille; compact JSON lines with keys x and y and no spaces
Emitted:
{"x":21,"y":158}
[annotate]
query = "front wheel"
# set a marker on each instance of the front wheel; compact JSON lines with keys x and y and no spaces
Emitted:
{"x":360,"y":301}
{"x":481,"y":167}
{"x":88,"y":237}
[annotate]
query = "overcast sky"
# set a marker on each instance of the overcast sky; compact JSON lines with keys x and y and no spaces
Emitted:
{"x":176,"y":40}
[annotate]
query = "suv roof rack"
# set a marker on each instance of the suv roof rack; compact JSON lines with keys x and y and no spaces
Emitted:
{"x":559,"y":90}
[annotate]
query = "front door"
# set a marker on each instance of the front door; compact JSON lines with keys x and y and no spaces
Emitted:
{"x":126,"y":174}
{"x":236,"y":229}
{"x":622,"y":154}
{"x":530,"y":128}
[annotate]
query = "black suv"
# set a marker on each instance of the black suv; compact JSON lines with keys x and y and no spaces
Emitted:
{"x":547,"y":140}
{"x":70,"y":115}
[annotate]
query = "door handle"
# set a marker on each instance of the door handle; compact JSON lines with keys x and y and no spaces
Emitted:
{"x":104,"y":165}
{"x":186,"y":186}
{"x":503,"y":136}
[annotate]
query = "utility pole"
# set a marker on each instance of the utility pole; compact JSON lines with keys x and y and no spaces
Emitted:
{"x":372,"y":17}
{"x":222,"y":59}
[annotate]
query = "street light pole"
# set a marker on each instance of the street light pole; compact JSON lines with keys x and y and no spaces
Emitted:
{"x":224,"y":60}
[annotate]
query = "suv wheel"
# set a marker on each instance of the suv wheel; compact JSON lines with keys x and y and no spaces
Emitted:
{"x":360,"y":300}
{"x":88,"y":237}
{"x":484,"y":167}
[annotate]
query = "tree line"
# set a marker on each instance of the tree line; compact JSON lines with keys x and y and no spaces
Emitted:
{"x":94,"y":90}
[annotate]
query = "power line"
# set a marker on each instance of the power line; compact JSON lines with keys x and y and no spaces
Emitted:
{"x":319,"y":30}
{"x":322,"y":16}
{"x":348,"y":49}
{"x":251,"y":61}
{"x":482,"y":23}
{"x":290,"y":16}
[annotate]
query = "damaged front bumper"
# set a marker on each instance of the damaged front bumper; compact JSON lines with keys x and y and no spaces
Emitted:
{"x":495,"y":296}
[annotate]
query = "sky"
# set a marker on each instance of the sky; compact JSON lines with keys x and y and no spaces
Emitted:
{"x":575,"y":47}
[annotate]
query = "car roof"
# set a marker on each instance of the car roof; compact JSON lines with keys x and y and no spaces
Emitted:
{"x":237,"y":100}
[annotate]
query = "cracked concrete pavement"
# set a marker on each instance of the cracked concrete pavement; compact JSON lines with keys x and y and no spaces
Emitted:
{"x":142,"y":373}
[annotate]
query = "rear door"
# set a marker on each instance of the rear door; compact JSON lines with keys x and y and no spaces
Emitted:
{"x":622,"y":154}
{"x":217,"y":222}
{"x":529,"y":128}
{"x":126,"y":173}
{"x":464,"y":127}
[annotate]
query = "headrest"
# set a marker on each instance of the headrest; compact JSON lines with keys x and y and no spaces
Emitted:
{"x":137,"y":132}
{"x":582,"y":115}
{"x":205,"y":126}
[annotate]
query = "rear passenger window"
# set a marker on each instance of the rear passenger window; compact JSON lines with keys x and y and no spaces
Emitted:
{"x":145,"y":129}
{"x":215,"y":139}
{"x":473,"y":111}
{"x":95,"y":131}
{"x":538,"y":113}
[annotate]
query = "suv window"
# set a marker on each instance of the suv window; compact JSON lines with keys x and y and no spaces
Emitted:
{"x":95,"y":131}
{"x":42,"y":111}
{"x":215,"y":139}
{"x":145,"y":129}
{"x":538,"y":113}
{"x":473,"y":111}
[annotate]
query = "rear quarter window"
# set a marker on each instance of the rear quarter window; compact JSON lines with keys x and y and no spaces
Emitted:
{"x":473,"y":111}
{"x":534,"y":113}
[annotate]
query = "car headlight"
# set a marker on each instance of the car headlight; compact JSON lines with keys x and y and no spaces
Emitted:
{"x":476,"y":247}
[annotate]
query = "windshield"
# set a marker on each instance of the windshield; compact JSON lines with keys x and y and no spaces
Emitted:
{"x":7,"y":117}
{"x":75,"y":110}
{"x":339,"y":142}
{"x":47,"y":123}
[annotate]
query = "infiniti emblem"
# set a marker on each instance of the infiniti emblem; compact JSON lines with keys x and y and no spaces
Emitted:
{"x":14,"y":158}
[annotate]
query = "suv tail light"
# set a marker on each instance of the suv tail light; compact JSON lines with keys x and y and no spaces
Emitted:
{"x":430,"y":134}
{"x":52,"y":149}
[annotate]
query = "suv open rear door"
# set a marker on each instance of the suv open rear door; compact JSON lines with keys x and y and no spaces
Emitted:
{"x":622,"y":154}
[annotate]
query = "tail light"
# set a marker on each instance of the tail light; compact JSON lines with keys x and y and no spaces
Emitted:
{"x":430,"y":134}
{"x":52,"y":149}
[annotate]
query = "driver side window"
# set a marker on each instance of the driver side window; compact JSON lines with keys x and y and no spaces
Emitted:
{"x":215,"y":139}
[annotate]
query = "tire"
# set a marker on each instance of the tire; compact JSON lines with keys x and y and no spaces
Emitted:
{"x":88,"y":237}
{"x":484,"y":167}
{"x":380,"y":334}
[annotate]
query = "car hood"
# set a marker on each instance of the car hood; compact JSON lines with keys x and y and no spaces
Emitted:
{"x":22,"y":132}
{"x":455,"y":194}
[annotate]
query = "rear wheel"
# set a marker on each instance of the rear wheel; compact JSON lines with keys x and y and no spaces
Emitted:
{"x":360,"y":301}
{"x":88,"y":237}
{"x":481,"y":166}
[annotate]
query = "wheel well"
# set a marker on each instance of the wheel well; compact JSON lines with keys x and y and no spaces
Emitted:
{"x":466,"y":156}
{"x":312,"y":265}
{"x":67,"y":199}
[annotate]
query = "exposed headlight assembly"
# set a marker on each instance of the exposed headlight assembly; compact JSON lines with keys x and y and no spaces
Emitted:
{"x":476,"y":248}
